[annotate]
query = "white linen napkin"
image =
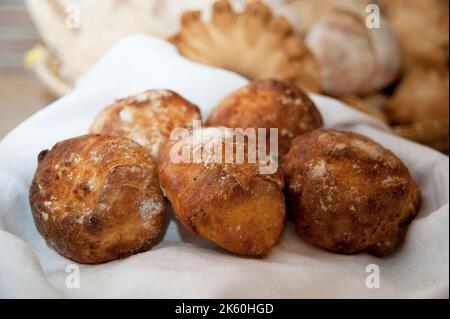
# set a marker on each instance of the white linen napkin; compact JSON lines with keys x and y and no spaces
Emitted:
{"x":182,"y":265}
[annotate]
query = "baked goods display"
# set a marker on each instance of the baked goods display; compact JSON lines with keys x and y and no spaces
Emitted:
{"x":269,"y":104}
{"x":100,"y":197}
{"x":97,"y":198}
{"x":148,"y":118}
{"x":254,"y":43}
{"x":228,"y":202}
{"x":347,"y":193}
{"x":353,"y":59}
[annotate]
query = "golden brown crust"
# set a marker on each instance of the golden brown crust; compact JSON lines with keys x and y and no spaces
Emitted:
{"x":230,"y":204}
{"x":269,"y":104}
{"x":253,"y":43}
{"x":97,"y":198}
{"x":147,"y":118}
{"x":347,"y":193}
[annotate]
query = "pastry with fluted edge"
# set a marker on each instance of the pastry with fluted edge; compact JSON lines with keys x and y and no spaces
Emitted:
{"x":348,"y":194}
{"x":147,"y":117}
{"x":96,"y":198}
{"x":269,"y":104}
{"x":254,"y":43}
{"x":229,"y":202}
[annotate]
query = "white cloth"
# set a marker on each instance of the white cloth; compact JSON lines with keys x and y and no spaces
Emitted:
{"x":183,"y":265}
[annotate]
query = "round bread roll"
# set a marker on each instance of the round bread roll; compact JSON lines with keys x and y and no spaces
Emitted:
{"x":229,"y":202}
{"x":353,"y":58}
{"x":147,"y":118}
{"x":347,"y":193}
{"x":97,"y":198}
{"x":269,"y":104}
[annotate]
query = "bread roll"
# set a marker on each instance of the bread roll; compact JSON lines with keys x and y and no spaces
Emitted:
{"x":347,"y":193}
{"x":97,"y":198}
{"x":228,"y":202}
{"x":147,"y":118}
{"x":269,"y":104}
{"x":353,"y":59}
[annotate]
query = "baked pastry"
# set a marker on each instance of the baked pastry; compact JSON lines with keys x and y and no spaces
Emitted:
{"x":96,"y":198}
{"x":347,"y":193}
{"x":269,"y":104}
{"x":353,"y":59}
{"x":147,"y":118}
{"x":253,"y":43}
{"x":422,"y":28}
{"x":233,"y":203}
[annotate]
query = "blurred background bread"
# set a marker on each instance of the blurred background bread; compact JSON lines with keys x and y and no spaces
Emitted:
{"x":420,"y":29}
{"x":254,"y":43}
